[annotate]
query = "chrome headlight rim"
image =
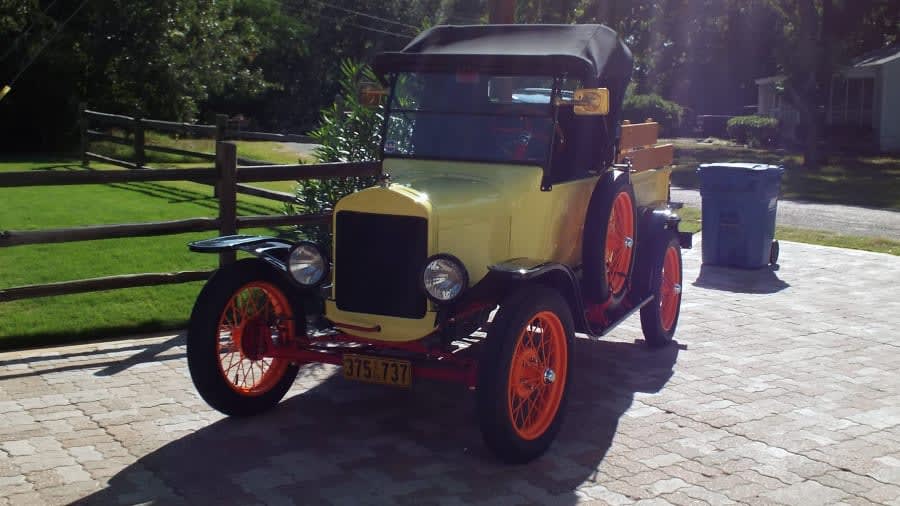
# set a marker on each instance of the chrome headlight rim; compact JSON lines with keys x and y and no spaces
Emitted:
{"x":326,"y":265}
{"x":464,"y":275}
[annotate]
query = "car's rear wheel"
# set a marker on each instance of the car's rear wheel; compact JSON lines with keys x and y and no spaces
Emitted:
{"x":524,"y":374}
{"x":241,"y":314}
{"x":609,"y":238}
{"x":664,"y":281}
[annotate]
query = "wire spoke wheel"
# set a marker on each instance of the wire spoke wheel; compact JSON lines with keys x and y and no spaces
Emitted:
{"x":670,"y":288}
{"x":537,"y":375}
{"x":254,"y":319}
{"x":619,"y":242}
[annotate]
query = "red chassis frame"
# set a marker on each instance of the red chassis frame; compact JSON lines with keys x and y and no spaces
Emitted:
{"x":427,"y":362}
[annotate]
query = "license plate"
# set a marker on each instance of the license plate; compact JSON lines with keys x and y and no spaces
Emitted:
{"x":385,"y":371}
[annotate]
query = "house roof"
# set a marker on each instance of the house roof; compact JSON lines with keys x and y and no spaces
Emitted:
{"x":878,"y":57}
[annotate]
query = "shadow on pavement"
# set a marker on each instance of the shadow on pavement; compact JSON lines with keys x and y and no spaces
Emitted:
{"x":740,"y":280}
{"x":358,"y":443}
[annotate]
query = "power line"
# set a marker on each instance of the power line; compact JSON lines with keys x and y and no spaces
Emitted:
{"x":367,"y":28}
{"x":366,"y":15}
{"x":47,"y":41}
{"x":24,"y":34}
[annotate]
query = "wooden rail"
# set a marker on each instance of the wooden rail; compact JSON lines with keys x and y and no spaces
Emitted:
{"x":227,"y":176}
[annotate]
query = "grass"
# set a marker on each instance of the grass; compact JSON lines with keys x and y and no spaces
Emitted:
{"x":848,"y":179}
{"x":99,"y":314}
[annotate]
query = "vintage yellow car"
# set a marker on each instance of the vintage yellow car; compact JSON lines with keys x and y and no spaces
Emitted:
{"x":514,"y":210}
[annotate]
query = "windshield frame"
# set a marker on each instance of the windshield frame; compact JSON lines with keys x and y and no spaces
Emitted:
{"x":552,"y":113}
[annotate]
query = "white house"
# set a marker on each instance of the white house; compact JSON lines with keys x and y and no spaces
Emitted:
{"x":865,"y":95}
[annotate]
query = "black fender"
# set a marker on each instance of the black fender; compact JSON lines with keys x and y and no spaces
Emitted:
{"x":504,"y":277}
{"x":271,"y":249}
{"x":655,"y":225}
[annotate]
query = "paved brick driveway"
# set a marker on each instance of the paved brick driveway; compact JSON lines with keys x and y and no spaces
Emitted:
{"x":784,"y":389}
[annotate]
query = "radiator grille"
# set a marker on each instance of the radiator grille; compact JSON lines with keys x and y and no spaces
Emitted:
{"x":378,"y":259}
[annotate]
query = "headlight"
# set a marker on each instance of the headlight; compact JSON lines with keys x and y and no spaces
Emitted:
{"x":307,"y":264}
{"x":444,"y":277}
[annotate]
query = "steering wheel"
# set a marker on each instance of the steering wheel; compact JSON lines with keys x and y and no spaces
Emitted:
{"x":513,"y":140}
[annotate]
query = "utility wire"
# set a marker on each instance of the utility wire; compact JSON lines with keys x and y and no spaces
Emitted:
{"x":46,"y":42}
{"x":365,"y":15}
{"x":24,"y":34}
{"x":367,"y":28}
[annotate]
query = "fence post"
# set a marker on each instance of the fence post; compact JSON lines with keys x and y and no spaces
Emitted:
{"x":221,"y":132}
{"x":226,"y":164}
{"x":83,"y":127}
{"x":139,"y":154}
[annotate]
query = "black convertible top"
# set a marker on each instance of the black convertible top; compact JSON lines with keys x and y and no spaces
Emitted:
{"x":592,"y":53}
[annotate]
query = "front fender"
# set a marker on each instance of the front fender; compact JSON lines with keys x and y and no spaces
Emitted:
{"x":271,"y":249}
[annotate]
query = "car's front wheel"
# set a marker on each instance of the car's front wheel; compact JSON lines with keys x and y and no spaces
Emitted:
{"x":242,"y":313}
{"x":524,"y":374}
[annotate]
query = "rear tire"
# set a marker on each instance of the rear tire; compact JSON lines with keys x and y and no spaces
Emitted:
{"x":243,"y":309}
{"x":524,"y":374}
{"x":663,"y":280}
{"x":608,"y":242}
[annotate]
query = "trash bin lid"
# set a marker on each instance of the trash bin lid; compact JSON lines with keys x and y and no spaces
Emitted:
{"x":755,"y":167}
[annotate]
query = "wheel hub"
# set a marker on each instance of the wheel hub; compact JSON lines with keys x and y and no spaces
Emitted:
{"x":677,"y":288}
{"x":254,"y":339}
{"x":549,"y":376}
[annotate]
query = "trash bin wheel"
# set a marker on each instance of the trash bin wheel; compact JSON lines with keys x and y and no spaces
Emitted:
{"x":773,"y":253}
{"x":663,"y":280}
{"x":609,"y":240}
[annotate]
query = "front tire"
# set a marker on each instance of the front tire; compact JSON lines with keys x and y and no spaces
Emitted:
{"x":524,"y":374}
{"x":243,"y":311}
{"x":659,"y":317}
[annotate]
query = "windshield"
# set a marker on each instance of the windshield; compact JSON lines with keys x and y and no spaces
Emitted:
{"x":471,"y":116}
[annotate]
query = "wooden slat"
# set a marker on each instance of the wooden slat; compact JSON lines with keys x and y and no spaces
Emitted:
{"x":249,"y":162}
{"x":115,"y":119}
{"x":99,"y":284}
{"x":266,"y":136}
{"x":94,"y":135}
{"x":649,"y":158}
{"x":94,"y":232}
{"x":277,"y":221}
{"x":266,"y":194}
{"x":638,"y":136}
{"x":111,"y":161}
{"x":310,"y":171}
{"x":179,"y":127}
{"x":183,"y":152}
{"x":50,"y":178}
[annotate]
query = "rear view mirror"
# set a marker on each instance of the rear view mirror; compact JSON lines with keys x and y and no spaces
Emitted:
{"x":592,"y":102}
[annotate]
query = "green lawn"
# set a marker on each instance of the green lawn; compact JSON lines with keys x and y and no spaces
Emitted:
{"x":868,"y":181}
{"x":73,"y":317}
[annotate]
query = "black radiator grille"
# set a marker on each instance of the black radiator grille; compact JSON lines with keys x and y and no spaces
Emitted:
{"x":378,"y":258}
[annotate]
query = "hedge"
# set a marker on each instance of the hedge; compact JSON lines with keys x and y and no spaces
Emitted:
{"x":638,"y":108}
{"x":753,"y":130}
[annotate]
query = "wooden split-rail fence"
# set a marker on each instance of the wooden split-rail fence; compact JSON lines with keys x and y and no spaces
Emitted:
{"x":227,"y":176}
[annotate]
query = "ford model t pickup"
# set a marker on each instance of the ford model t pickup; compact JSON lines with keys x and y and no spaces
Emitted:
{"x":514,"y":210}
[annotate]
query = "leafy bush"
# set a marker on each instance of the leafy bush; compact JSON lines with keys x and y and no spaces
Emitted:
{"x":753,"y":130}
{"x":638,"y":108}
{"x":348,"y":132}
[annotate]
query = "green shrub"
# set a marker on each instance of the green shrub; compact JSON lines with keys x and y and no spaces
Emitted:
{"x":348,"y":132}
{"x":638,"y":108}
{"x":753,"y":130}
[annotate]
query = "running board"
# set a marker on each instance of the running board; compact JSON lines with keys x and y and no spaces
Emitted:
{"x":595,"y":335}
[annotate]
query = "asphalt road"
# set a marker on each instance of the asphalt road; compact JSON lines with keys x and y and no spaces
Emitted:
{"x":847,"y":220}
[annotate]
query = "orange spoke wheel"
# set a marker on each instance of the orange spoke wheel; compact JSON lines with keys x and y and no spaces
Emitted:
{"x":524,"y":373}
{"x":537,"y":375}
{"x":619,"y":242}
{"x":663,"y":281}
{"x":608,"y":241}
{"x":256,"y":317}
{"x":244,"y":312}
{"x":670,"y":288}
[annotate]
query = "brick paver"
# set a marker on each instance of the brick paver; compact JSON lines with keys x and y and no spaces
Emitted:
{"x":783,"y":389}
